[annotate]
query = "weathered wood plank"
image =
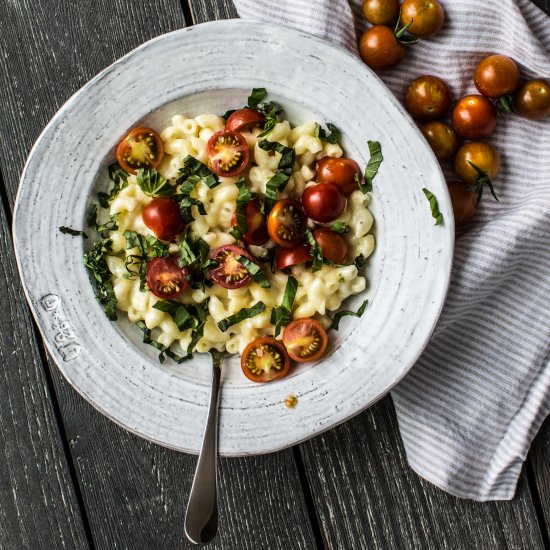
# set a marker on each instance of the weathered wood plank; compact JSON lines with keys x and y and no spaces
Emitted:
{"x":39,"y":508}
{"x":134,"y":492}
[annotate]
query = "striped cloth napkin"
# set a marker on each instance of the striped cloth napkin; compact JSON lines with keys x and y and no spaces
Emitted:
{"x":473,"y":403}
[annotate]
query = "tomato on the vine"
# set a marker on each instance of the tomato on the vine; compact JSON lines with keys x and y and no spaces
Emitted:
{"x":244,"y":120}
{"x":426,"y":17}
{"x":427,"y":98}
{"x":533,"y":100}
{"x":463,"y":199}
{"x":323,"y":202}
{"x":380,"y":49}
{"x":333,"y":246}
{"x":342,"y":172}
{"x":229,"y":272}
{"x":162,"y":215}
{"x":264,"y":360}
{"x":256,"y":227}
{"x":442,"y":139}
{"x":381,"y":12}
{"x":305,"y":340}
{"x":476,"y":154}
{"x":474,"y":117}
{"x":286,"y":223}
{"x":141,"y":148}
{"x":228,"y":153}
{"x":297,"y":255}
{"x":165,"y":278}
{"x":496,"y":75}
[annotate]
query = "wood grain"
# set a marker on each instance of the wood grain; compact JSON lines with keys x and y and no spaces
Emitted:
{"x":134,"y":492}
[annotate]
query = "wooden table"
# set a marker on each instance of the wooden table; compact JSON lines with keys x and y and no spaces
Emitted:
{"x":70,"y":478}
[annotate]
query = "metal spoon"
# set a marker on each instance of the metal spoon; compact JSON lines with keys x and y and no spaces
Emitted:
{"x":201,"y":517}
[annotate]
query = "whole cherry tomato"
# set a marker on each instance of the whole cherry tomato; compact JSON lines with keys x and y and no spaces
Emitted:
{"x":244,"y":120}
{"x":333,"y":246}
{"x":427,"y":98}
{"x":496,"y":75}
{"x":463,"y":199}
{"x":442,"y":139}
{"x":533,"y":100}
{"x":476,"y":154}
{"x":342,"y":172}
{"x":380,"y":49}
{"x":323,"y":202}
{"x":474,"y":117}
{"x":425,"y":16}
{"x":162,"y":216}
{"x":381,"y":12}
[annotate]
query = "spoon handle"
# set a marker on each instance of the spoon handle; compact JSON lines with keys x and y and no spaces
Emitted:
{"x":201,"y":518}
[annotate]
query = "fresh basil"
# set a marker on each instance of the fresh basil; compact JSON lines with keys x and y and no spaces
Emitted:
{"x":338,"y":316}
{"x":339,"y":227}
{"x":165,"y":351}
{"x":284,"y":170}
{"x":94,"y":260}
{"x":244,"y":313}
{"x":179,"y":312}
{"x":334,"y":135}
{"x":436,"y":214}
{"x":153,"y":184}
{"x":185,"y":208}
{"x":280,"y":315}
{"x":74,"y":232}
{"x":360,"y":261}
{"x":243,"y":198}
{"x":194,"y":255}
{"x":148,"y":247}
{"x":92,"y":222}
{"x":256,"y":97}
{"x":120,"y":180}
{"x":194,"y":170}
{"x":270,"y":111}
{"x":255,"y":271}
{"x":315,"y":252}
{"x":373,"y":165}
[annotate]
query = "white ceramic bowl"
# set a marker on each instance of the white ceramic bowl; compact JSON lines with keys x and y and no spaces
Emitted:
{"x":192,"y":71}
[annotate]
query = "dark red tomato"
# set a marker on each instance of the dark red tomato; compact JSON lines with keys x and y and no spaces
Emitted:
{"x":463,"y":199}
{"x":264,"y":360}
{"x":165,"y":278}
{"x":228,"y":153}
{"x":293,"y":256}
{"x":381,"y":12}
{"x":426,"y":17}
{"x":141,"y":148}
{"x":442,"y":139}
{"x":427,"y":98}
{"x":380,"y":49}
{"x":286,"y":223}
{"x":496,"y":75}
{"x":533,"y":100}
{"x":244,"y":120}
{"x":256,"y":228}
{"x":323,"y":202}
{"x":480,"y":154}
{"x":333,"y":246}
{"x":230,"y":273}
{"x":342,"y":172}
{"x":305,"y":340}
{"x":474,"y":117}
{"x":162,"y":216}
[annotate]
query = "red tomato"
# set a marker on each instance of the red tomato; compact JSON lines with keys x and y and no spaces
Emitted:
{"x":380,"y":49}
{"x":426,"y":17}
{"x":463,"y":199}
{"x":256,"y":228}
{"x":228,"y":153}
{"x":244,"y":120}
{"x":230,"y":273}
{"x":264,"y":360}
{"x":381,"y":12}
{"x":293,"y":256}
{"x":165,"y":278}
{"x":141,"y":148}
{"x":427,"y":98}
{"x":323,"y":202}
{"x":496,"y":75}
{"x":162,"y":216}
{"x":342,"y":172}
{"x":333,"y":246}
{"x":305,"y":340}
{"x":286,"y":223}
{"x":480,"y":154}
{"x":474,"y":117}
{"x":533,"y":100}
{"x":442,"y":139}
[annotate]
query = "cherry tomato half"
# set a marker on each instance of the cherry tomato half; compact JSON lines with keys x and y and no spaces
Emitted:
{"x":230,"y":273}
{"x":333,"y":246}
{"x":228,"y":153}
{"x":256,"y":228}
{"x":496,"y":75}
{"x":323,"y":202}
{"x":533,"y":100}
{"x":305,"y":340}
{"x":474,"y":117}
{"x":141,"y":148}
{"x":442,"y":139}
{"x":264,"y":360}
{"x":483,"y":155}
{"x":427,"y":98}
{"x":244,"y":120}
{"x":463,"y":199}
{"x":380,"y":49}
{"x":342,"y":172}
{"x":427,"y":17}
{"x":286,"y":223}
{"x":381,"y":12}
{"x":165,"y":278}
{"x":287,"y":257}
{"x":162,"y":216}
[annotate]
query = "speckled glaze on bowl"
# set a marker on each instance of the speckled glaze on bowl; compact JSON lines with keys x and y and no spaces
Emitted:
{"x":191,"y":71}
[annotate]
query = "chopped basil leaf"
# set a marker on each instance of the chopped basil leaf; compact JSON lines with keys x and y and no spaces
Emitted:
{"x":95,"y":262}
{"x":120,"y":180}
{"x":276,"y":183}
{"x":280,"y":315}
{"x":256,"y":97}
{"x":244,"y":313}
{"x":180,"y":313}
{"x":374,"y":163}
{"x":338,"y":316}
{"x":436,"y":214}
{"x":92,"y":222}
{"x":360,"y":261}
{"x":284,"y":170}
{"x":244,"y":197}
{"x":74,"y":232}
{"x":185,"y":208}
{"x":194,"y":167}
{"x":315,"y":252}
{"x":339,"y":227}
{"x":149,"y":247}
{"x":164,"y":350}
{"x":333,"y":137}
{"x":270,"y":111}
{"x":194,"y":255}
{"x":255,"y":271}
{"x":153,"y":184}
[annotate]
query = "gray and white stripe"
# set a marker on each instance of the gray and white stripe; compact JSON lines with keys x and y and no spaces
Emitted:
{"x":470,"y":408}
